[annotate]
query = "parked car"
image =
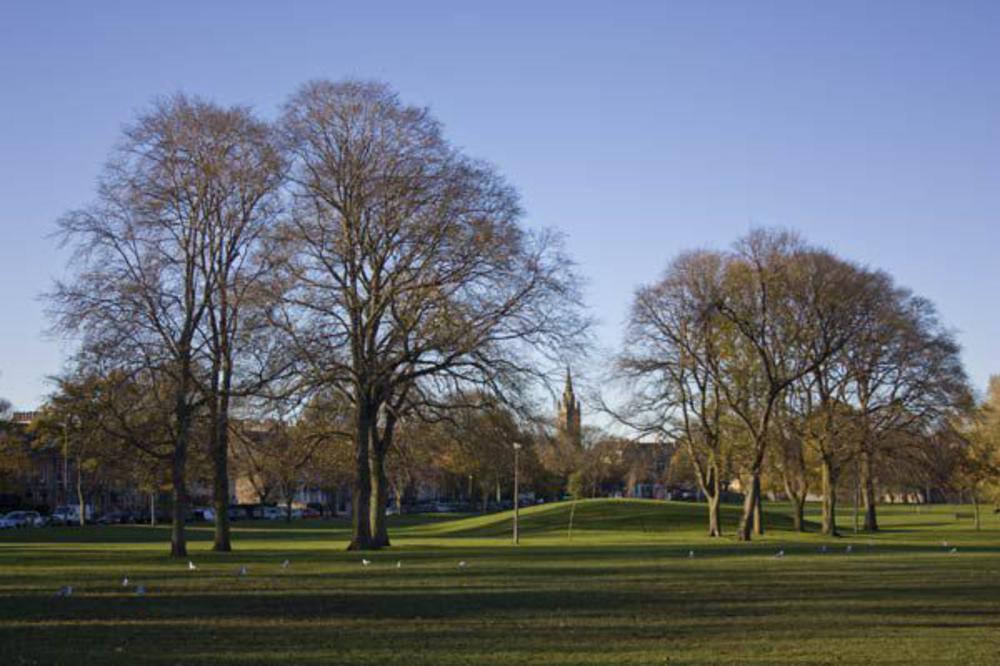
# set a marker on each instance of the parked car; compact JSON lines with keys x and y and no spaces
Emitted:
{"x":273,"y":513}
{"x":39,"y":519}
{"x":25,"y":519}
{"x":144,"y":517}
{"x":6,"y":523}
{"x":117,"y":518}
{"x":310,"y":512}
{"x":69,"y":515}
{"x":202,"y":514}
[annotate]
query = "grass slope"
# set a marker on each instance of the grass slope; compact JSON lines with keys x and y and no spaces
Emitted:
{"x":623,"y":591}
{"x":623,"y":518}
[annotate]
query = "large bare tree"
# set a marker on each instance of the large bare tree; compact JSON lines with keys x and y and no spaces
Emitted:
{"x":155,"y":257}
{"x":906,"y":377}
{"x":408,"y":272}
{"x":674,"y":341}
{"x":794,"y":307}
{"x":715,"y":345}
{"x":243,"y":171}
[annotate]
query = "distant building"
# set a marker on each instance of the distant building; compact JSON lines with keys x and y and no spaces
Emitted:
{"x":568,"y":421}
{"x":48,"y":478}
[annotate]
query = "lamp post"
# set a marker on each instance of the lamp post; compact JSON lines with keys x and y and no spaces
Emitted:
{"x":517,"y":447}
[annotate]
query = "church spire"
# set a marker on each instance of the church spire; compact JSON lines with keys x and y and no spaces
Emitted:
{"x":568,"y":395}
{"x":569,"y":412}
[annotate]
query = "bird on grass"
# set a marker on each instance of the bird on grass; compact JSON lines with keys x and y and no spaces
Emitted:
{"x":944,"y":544}
{"x":461,"y":565}
{"x":953,"y":551}
{"x":64,"y":591}
{"x":191,"y":566}
{"x":284,"y":565}
{"x":365,"y":562}
{"x":399,"y":564}
{"x":690,"y":553}
{"x":125,"y":581}
{"x":849,"y":549}
{"x":243,"y":571}
{"x":780,"y":553}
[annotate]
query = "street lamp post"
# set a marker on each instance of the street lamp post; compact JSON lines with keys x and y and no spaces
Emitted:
{"x":517,"y":447}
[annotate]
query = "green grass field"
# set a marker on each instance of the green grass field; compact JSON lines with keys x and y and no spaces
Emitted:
{"x":623,"y":591}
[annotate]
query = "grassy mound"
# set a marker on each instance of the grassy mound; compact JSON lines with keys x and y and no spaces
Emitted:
{"x":636,"y":517}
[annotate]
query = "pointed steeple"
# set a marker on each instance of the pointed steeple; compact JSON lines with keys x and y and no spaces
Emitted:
{"x":568,"y":396}
{"x":569,"y":412}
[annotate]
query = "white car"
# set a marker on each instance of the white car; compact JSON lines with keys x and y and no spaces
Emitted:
{"x":6,"y":523}
{"x":273,"y":513}
{"x":70,"y":515}
{"x":24,"y":518}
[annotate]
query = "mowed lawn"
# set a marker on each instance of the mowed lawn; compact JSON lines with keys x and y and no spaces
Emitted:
{"x":623,"y":590}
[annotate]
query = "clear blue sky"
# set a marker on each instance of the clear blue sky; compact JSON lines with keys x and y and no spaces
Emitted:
{"x":639,"y":129}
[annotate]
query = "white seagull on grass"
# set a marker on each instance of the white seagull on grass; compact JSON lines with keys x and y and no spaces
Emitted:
{"x":365,"y":562}
{"x":64,"y":591}
{"x":191,"y":566}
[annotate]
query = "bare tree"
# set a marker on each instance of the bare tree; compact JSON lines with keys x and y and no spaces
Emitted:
{"x":793,"y":308}
{"x":905,"y":375}
{"x":791,"y":460}
{"x":140,"y":295}
{"x":408,"y":272}
{"x":243,"y":172}
{"x":672,"y":351}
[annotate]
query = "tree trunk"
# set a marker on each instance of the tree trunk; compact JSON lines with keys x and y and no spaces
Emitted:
{"x":868,"y":495}
{"x":714,"y":526}
{"x":380,"y":445}
{"x":711,"y":486}
{"x":178,"y":542}
{"x":79,"y":493}
{"x":829,"y":475}
{"x":975,"y":509}
{"x":220,"y":474}
{"x":378,"y":500}
{"x":758,"y":509}
{"x":361,"y":536}
{"x":799,"y":513}
{"x":152,"y":509}
{"x":288,"y":507}
{"x":750,"y":504}
{"x":798,"y":499}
